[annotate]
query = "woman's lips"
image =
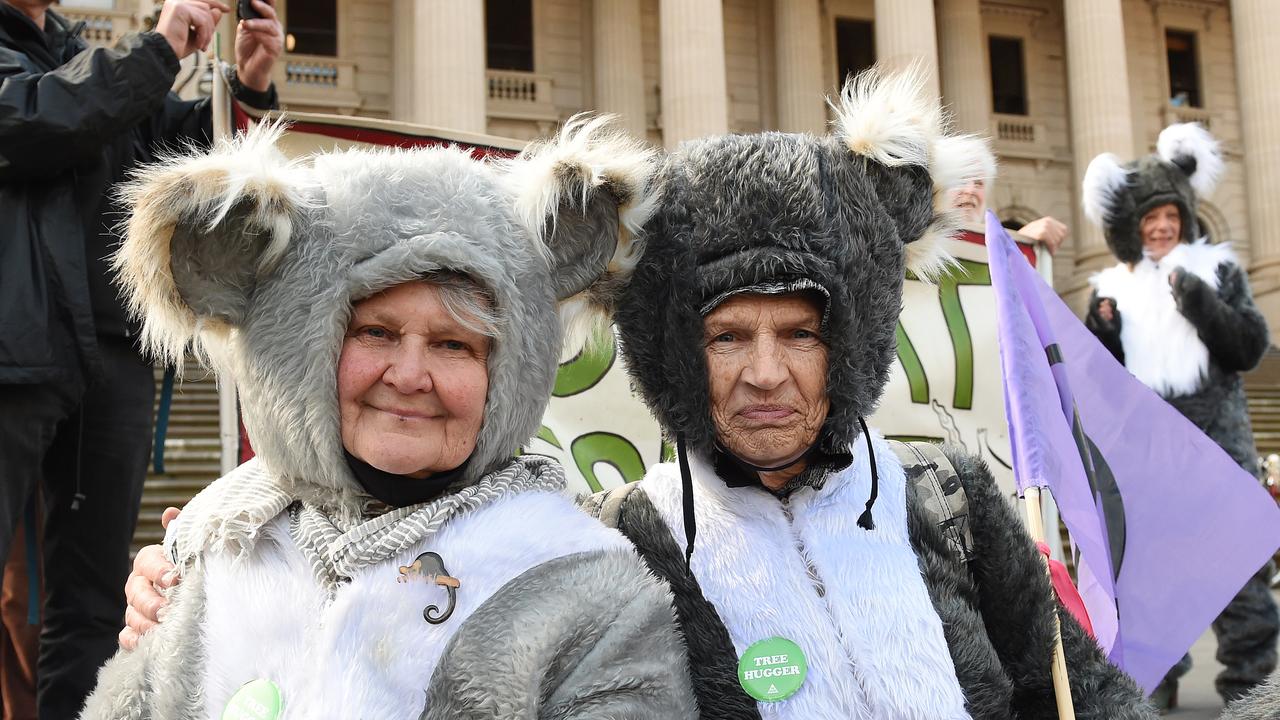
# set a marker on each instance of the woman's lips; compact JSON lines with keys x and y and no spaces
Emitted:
{"x":766,"y":413}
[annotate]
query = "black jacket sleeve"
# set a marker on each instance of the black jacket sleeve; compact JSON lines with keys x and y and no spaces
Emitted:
{"x":53,"y":121}
{"x":1227,"y":321}
{"x":1108,"y":333}
{"x":191,"y":121}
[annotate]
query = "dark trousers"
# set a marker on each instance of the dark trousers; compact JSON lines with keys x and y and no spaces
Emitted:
{"x":87,"y":452}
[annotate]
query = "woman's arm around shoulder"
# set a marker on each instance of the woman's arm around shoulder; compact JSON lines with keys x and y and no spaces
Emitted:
{"x":589,"y":635}
{"x":160,"y":678}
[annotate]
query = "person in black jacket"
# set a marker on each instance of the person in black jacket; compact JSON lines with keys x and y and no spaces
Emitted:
{"x":75,"y":393}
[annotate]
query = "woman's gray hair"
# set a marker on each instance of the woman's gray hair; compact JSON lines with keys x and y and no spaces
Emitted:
{"x":467,"y":301}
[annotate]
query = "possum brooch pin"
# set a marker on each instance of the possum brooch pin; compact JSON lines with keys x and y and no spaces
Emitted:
{"x":430,"y":567}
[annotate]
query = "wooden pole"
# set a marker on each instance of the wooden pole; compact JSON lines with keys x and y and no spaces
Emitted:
{"x":1061,"y":684}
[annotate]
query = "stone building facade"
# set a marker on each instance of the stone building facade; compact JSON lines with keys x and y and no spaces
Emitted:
{"x":1052,"y":82}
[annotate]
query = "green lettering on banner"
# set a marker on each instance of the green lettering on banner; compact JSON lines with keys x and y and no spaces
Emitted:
{"x":545,"y":435}
{"x":606,"y":447}
{"x":917,"y":380}
{"x":584,"y":371}
{"x":772,"y":670}
{"x":969,"y":272}
{"x":255,"y":700}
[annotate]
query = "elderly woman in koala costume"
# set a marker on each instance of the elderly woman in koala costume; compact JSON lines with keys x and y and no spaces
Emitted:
{"x":827,"y":580}
{"x":1178,"y":312}
{"x":326,"y":578}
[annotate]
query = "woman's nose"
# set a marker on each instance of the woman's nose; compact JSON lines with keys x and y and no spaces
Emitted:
{"x":767,"y":369}
{"x":410,"y":369}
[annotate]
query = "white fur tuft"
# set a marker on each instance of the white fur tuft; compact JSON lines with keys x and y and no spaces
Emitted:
{"x":1190,"y":139}
{"x":887,"y":117}
{"x":597,"y":153}
{"x":589,"y":152}
{"x":1103,"y":179}
{"x":199,"y":188}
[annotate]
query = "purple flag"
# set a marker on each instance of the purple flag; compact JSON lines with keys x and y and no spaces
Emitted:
{"x":1167,"y":527}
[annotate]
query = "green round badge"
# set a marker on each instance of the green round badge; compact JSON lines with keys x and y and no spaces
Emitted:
{"x":255,"y":700}
{"x":772,"y":670}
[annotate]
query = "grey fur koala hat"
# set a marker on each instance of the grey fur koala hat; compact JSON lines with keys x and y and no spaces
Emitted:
{"x":847,"y":214}
{"x":257,"y":260}
{"x":1186,"y":165}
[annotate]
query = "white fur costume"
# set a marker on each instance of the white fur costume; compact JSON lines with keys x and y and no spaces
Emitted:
{"x":871,"y":637}
{"x":1161,"y":347}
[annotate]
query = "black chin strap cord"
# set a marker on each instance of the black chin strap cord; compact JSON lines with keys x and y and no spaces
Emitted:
{"x":686,"y":486}
{"x":865,"y":521}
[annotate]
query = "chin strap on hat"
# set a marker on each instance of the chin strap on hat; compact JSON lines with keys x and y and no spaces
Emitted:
{"x":686,"y":488}
{"x":865,"y":521}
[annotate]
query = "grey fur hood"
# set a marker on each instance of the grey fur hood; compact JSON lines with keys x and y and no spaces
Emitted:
{"x":849,"y":213}
{"x":1187,"y":164}
{"x":255,"y":261}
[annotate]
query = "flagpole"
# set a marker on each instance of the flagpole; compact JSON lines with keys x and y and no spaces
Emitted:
{"x":1061,"y":684}
{"x":228,"y":408}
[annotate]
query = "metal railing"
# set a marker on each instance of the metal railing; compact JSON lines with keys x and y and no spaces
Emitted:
{"x":520,"y":95}
{"x":317,"y":82}
{"x":101,"y":27}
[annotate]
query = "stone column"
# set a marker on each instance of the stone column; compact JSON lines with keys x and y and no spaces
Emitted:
{"x":1257,"y":56}
{"x":1098,"y":88}
{"x":619,"y":63}
{"x":962,"y":58}
{"x":797,"y":35}
{"x":438,"y":72}
{"x":695,"y":100}
{"x":904,"y":35}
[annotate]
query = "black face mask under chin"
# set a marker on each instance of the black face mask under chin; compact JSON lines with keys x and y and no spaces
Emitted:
{"x":865,"y":520}
{"x":400,"y":490}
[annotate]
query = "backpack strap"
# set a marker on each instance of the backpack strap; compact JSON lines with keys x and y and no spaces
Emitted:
{"x":606,"y":505}
{"x":938,"y":487}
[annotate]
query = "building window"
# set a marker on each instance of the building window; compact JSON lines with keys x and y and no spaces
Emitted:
{"x":855,"y":46}
{"x":508,"y":26}
{"x":1008,"y":76}
{"x":311,"y":28}
{"x":1184,"y":68}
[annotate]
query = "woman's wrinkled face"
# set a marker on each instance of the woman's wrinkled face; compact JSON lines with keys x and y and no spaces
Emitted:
{"x":768,"y":375}
{"x":412,"y":382}
{"x":1161,"y":230}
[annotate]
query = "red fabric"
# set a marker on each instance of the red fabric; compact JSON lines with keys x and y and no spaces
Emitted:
{"x":1066,"y":590}
{"x":977,"y":238}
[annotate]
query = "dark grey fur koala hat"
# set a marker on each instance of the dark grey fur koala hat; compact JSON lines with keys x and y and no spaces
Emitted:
{"x":1185,"y":166}
{"x":256,"y":261}
{"x":849,"y":213}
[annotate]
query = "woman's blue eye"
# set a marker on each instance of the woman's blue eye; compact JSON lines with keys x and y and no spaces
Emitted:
{"x":454,"y":345}
{"x":725,"y":337}
{"x":377,"y":332}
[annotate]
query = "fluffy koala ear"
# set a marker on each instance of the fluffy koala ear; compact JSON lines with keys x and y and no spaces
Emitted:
{"x":202,"y":229}
{"x":889,"y":120}
{"x":1104,"y":181}
{"x":585,"y":194}
{"x":1195,"y":152}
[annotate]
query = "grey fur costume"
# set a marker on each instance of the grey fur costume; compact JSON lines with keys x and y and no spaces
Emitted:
{"x":290,"y":572}
{"x":850,"y":214}
{"x":1211,"y":318}
{"x":1262,"y":703}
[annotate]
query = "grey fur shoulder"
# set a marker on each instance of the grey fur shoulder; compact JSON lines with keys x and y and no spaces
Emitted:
{"x":1263,"y":703}
{"x":589,"y":635}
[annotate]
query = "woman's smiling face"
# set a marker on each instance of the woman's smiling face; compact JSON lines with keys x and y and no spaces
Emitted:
{"x":412,"y":382}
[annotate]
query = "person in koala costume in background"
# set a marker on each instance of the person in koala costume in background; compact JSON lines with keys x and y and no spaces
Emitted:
{"x":1178,"y":313}
{"x":390,"y":320}
{"x":759,"y":328}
